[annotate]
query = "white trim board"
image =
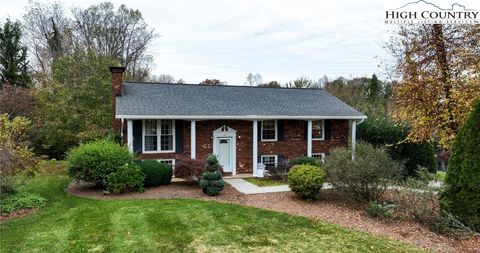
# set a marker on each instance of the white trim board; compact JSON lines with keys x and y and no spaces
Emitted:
{"x":247,"y":117}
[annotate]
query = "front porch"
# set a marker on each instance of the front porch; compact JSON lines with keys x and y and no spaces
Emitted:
{"x":242,"y":145}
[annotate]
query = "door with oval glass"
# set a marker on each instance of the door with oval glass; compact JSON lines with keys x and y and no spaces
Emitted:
{"x":225,"y":153}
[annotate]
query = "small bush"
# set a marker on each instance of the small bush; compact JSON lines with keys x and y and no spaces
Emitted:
{"x":376,"y":209}
{"x":96,"y":160}
{"x":156,"y":173}
{"x":368,"y":176}
{"x":190,"y":170}
{"x":305,"y":160}
{"x":380,"y":131}
{"x":13,"y":202}
{"x":306,"y":180}
{"x":212,"y":183}
{"x":127,"y":177}
{"x":280,"y":171}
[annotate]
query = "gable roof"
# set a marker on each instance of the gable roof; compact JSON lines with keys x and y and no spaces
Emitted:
{"x":193,"y":101}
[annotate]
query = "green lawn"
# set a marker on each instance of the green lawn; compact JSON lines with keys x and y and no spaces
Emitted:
{"x":73,"y":224}
{"x":265,"y":181}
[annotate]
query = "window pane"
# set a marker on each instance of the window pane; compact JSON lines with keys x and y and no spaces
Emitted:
{"x":166,"y":127}
{"x":166,"y":135}
{"x":269,"y":162}
{"x":151,"y":143}
{"x":150,"y":127}
{"x":317,"y":129}
{"x":268,"y":130}
{"x":166,"y":142}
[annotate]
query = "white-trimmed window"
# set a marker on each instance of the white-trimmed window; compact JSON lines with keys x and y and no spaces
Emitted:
{"x":270,"y":161}
{"x":318,"y":130}
{"x":158,"y":136}
{"x":319,"y":156}
{"x":269,"y":130}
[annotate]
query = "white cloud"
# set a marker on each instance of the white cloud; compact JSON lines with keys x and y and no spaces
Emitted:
{"x":281,"y":40}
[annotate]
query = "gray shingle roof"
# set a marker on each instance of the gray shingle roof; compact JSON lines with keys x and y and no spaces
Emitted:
{"x":184,"y":100}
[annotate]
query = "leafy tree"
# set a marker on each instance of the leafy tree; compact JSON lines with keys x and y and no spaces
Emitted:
{"x":76,"y":105}
{"x":13,"y":55}
{"x":213,"y":82}
{"x":380,"y":131}
{"x":461,"y":195}
{"x":15,"y":154}
{"x":254,"y":79}
{"x":438,"y":66}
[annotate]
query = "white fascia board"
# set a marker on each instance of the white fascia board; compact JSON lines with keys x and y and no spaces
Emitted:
{"x":247,"y":117}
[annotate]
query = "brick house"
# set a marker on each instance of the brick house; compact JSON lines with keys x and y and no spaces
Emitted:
{"x":243,"y":126}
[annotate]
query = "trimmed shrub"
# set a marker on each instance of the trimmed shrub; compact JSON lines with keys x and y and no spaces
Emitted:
{"x":382,"y":132}
{"x":306,"y":180}
{"x":13,"y":202}
{"x":376,"y":209}
{"x":190,"y":170}
{"x":156,"y":173}
{"x":212,"y":183}
{"x":305,"y":160}
{"x":461,"y":195}
{"x":367,"y":176}
{"x":96,"y":160}
{"x":127,"y":177}
{"x":212,"y":163}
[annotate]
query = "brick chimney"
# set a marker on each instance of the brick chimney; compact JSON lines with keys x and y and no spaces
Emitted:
{"x":117,"y":74}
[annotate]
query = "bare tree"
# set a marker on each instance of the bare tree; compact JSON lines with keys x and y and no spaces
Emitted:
{"x":271,"y":84}
{"x":122,"y":34}
{"x":254,"y":79}
{"x":163,"y":78}
{"x":47,"y":31}
{"x":301,"y":82}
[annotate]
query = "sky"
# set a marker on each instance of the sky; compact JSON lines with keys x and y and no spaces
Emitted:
{"x":281,"y":40}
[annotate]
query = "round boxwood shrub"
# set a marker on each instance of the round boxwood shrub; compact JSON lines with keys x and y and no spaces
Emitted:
{"x":96,"y":160}
{"x":461,"y":195}
{"x":127,"y":177}
{"x":306,"y":180}
{"x":305,"y":160}
{"x":156,"y":173}
{"x":212,"y":183}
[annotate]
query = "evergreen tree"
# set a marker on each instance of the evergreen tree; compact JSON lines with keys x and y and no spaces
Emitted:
{"x":374,"y":89}
{"x":461,"y":196}
{"x":13,"y":56}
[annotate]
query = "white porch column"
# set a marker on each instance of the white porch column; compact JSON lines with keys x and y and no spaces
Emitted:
{"x":255,"y":146}
{"x":130,"y":135}
{"x":354,"y":137}
{"x":193,"y":141}
{"x":309,"y":138}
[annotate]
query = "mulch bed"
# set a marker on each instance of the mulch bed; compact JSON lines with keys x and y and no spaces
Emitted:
{"x":18,"y":213}
{"x":328,"y":208}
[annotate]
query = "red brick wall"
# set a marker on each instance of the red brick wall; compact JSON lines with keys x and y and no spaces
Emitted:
{"x":294,"y":144}
{"x":117,"y":74}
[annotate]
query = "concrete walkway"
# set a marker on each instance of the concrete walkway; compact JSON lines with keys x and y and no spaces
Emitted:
{"x":249,"y":188}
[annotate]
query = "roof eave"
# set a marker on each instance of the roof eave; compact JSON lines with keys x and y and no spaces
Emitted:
{"x":246,"y":117}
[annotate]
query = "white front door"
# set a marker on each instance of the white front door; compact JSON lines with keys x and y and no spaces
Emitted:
{"x":225,"y":153}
